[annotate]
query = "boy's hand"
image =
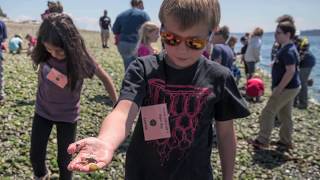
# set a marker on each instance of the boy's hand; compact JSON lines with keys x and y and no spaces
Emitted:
{"x":93,"y":154}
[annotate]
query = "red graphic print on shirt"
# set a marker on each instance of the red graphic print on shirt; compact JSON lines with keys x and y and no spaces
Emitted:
{"x":184,"y":104}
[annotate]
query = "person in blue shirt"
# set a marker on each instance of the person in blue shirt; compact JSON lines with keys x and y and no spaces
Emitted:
{"x":3,"y":37}
{"x":285,"y":87}
{"x":221,"y":52}
{"x":15,"y":44}
{"x":307,"y":62}
{"x":125,"y":29}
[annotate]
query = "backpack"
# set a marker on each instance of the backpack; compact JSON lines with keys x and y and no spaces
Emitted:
{"x":105,"y":21}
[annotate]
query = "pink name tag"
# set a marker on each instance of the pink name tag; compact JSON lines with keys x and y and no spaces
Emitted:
{"x":57,"y":78}
{"x":155,"y":122}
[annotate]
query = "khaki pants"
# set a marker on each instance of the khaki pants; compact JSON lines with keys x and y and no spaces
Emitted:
{"x":105,"y":36}
{"x":281,"y":106}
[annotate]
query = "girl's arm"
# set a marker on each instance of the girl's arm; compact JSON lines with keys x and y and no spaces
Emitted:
{"x":227,"y":147}
{"x":115,"y":128}
{"x":107,"y":82}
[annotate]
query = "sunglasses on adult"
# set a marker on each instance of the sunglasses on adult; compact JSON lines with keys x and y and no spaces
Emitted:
{"x":194,"y":43}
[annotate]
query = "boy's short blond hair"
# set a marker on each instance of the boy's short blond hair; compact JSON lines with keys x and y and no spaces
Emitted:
{"x":188,"y":13}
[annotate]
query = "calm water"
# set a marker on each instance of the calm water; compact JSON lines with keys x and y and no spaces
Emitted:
{"x":314,"y":41}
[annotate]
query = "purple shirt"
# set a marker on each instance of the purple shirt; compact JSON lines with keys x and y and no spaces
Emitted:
{"x":55,"y":103}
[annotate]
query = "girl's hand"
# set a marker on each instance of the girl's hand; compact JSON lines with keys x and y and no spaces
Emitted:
{"x":92,"y":154}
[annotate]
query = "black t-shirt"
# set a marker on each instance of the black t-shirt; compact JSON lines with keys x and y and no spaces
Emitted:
{"x":194,"y":96}
{"x":105,"y":22}
{"x":287,"y":55}
{"x":244,"y":49}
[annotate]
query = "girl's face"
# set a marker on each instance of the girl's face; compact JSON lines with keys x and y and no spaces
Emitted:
{"x":181,"y":56}
{"x":55,"y":51}
{"x":154,"y":35}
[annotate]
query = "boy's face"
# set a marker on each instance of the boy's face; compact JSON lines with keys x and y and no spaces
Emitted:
{"x":181,"y":55}
{"x":282,"y":37}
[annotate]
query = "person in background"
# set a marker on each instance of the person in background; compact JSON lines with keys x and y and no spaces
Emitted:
{"x":254,"y":88}
{"x":180,"y":93}
{"x":125,"y":29}
{"x":53,"y":7}
{"x":32,"y":42}
{"x":221,"y":52}
{"x":3,"y":37}
{"x":105,"y":25}
{"x":285,"y":87}
{"x":252,"y":55}
{"x":232,"y":41}
{"x":64,"y":63}
{"x":244,"y":42}
{"x":15,"y":44}
{"x":307,"y":62}
{"x":149,"y":33}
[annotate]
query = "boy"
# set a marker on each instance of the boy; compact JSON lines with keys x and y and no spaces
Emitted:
{"x":285,"y":86}
{"x":185,"y":92}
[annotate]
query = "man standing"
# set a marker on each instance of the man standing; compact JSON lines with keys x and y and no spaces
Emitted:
{"x":285,"y":87}
{"x":221,"y":52}
{"x":3,"y":37}
{"x":105,"y":25}
{"x":126,"y":28}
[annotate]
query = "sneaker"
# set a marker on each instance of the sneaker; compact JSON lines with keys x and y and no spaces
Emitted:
{"x":257,"y":144}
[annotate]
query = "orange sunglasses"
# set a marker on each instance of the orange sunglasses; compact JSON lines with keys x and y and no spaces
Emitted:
{"x":192,"y":42}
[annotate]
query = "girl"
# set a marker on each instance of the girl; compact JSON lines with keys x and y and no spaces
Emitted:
{"x":63,"y":62}
{"x":149,"y":33}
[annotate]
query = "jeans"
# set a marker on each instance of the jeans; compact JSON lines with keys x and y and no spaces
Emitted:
{"x":302,"y":97}
{"x":127,"y":51}
{"x":251,"y":68}
{"x":41,"y":129}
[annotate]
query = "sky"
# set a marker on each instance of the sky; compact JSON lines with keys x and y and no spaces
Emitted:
{"x":239,"y":15}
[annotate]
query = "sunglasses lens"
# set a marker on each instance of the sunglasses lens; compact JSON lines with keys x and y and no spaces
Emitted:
{"x":196,"y":43}
{"x":170,"y":39}
{"x":173,"y":40}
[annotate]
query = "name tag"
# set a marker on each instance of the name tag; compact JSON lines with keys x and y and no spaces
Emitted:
{"x":155,"y":122}
{"x":57,"y":78}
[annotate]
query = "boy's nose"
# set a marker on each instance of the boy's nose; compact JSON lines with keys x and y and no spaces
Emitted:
{"x":182,"y":47}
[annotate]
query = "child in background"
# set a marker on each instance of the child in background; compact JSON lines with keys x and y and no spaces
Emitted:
{"x":63,"y":62}
{"x":149,"y":33}
{"x":179,"y":93}
{"x":254,"y":88}
{"x":15,"y":44}
{"x":232,"y":41}
{"x":32,"y":41}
